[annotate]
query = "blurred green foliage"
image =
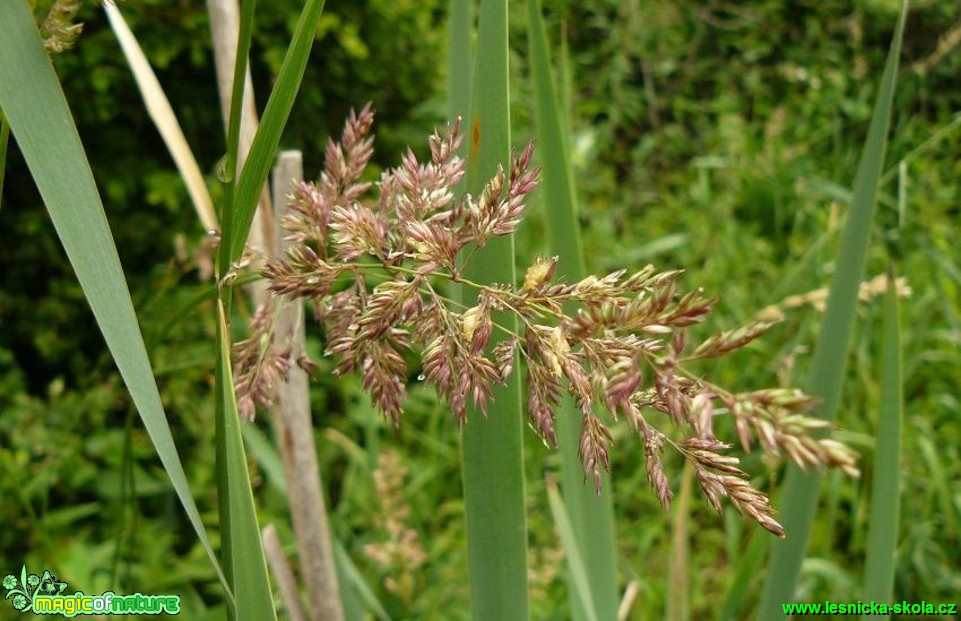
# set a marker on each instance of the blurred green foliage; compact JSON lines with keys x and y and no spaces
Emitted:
{"x":713,"y":136}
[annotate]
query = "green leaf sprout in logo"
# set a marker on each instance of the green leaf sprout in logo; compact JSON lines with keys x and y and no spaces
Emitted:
{"x":26,"y":588}
{"x":18,"y":590}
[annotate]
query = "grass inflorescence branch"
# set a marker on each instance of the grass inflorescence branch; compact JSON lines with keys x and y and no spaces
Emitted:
{"x":615,"y":343}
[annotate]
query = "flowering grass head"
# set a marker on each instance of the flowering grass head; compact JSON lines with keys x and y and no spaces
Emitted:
{"x":376,"y":267}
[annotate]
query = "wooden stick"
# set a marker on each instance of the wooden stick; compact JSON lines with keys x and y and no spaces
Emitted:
{"x":295,"y":435}
{"x":283,"y":574}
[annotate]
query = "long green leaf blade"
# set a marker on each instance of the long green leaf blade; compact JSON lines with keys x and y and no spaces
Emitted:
{"x":261,"y":156}
{"x":592,"y":515}
{"x":830,"y":354}
{"x":886,"y":489}
{"x":493,"y":447}
{"x":34,"y":104}
{"x":243,"y":553}
{"x":460,"y":58}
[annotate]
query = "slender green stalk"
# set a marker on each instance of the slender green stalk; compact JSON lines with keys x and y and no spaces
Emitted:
{"x":592,"y":515}
{"x":678,"y":603}
{"x":35,"y":106}
{"x":886,"y":489}
{"x":493,"y":447}
{"x":829,"y":362}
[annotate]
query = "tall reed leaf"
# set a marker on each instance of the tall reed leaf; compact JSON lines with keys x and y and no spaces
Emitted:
{"x":244,"y":35}
{"x":886,"y":489}
{"x":243,"y":554}
{"x":460,"y":58}
{"x":493,"y":447}
{"x":801,"y":489}
{"x":34,"y":105}
{"x":592,"y":515}
{"x":260,"y":159}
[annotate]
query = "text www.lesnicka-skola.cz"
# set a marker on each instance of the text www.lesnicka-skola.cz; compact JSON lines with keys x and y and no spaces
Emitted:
{"x":870,"y":608}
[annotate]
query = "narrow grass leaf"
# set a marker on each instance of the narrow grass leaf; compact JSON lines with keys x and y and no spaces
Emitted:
{"x":886,"y":488}
{"x":260,"y":159}
{"x":240,"y":534}
{"x":592,"y":515}
{"x":40,"y":119}
{"x":572,"y":550}
{"x":800,"y":496}
{"x":460,"y":58}
{"x":162,"y":114}
{"x":493,"y":448}
{"x":353,"y":585}
{"x":748,"y":567}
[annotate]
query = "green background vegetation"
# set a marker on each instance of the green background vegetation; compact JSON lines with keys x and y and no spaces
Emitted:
{"x":710,"y":137}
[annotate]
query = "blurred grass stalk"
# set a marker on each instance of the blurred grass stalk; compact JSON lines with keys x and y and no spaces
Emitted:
{"x":886,"y":488}
{"x":591,"y":514}
{"x":493,"y":467}
{"x":800,"y":495}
